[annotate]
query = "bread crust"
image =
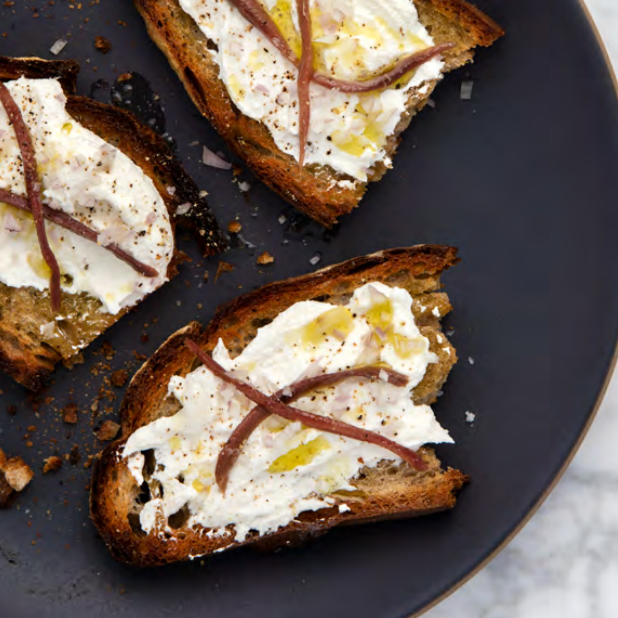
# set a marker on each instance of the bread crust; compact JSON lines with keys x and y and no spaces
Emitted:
{"x":402,"y":493}
{"x":23,"y":354}
{"x":311,"y":189}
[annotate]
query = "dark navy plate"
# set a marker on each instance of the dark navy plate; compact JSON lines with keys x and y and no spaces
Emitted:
{"x":522,"y":179}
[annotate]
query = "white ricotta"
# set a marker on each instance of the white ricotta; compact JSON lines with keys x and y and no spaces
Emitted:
{"x":264,"y":491}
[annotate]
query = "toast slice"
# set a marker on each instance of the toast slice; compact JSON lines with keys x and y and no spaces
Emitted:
{"x":27,"y":352}
{"x":384,"y":491}
{"x":320,"y":192}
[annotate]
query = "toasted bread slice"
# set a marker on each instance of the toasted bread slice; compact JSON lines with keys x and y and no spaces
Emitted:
{"x":385,"y":491}
{"x":311,"y":189}
{"x":25,"y":353}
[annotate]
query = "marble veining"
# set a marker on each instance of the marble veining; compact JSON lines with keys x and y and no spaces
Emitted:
{"x":564,"y":564}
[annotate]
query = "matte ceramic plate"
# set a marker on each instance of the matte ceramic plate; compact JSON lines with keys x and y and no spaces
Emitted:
{"x":522,"y":179}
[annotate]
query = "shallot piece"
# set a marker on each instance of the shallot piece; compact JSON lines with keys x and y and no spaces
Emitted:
{"x":69,"y":223}
{"x":232,"y":448}
{"x":213,"y":160}
{"x":10,"y":223}
{"x":33,"y":189}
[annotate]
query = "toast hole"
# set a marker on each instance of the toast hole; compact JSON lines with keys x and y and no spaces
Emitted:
{"x":49,"y":349}
{"x":260,"y":322}
{"x":149,"y":463}
{"x":212,"y":45}
{"x":136,"y":526}
{"x":398,"y":278}
{"x":354,"y":495}
{"x":321,"y":299}
{"x":66,"y":328}
{"x":341,"y":299}
{"x":179,"y":519}
{"x":144,"y":495}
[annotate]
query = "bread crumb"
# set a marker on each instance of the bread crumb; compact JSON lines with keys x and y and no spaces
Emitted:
{"x":470,"y":360}
{"x":58,"y":46}
{"x":224,"y":267}
{"x":107,"y":431}
{"x":102,"y":44}
{"x":74,"y":457}
{"x":470,"y":416}
{"x":69,"y":413}
{"x":265,"y":258}
{"x":15,"y":474}
{"x":234,"y":227}
{"x":108,"y":350}
{"x":52,"y":464}
{"x":119,"y":378}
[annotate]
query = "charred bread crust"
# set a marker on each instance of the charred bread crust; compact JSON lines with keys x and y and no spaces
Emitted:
{"x":114,"y":492}
{"x":23,"y":355}
{"x":65,"y":71}
{"x":311,"y":188}
{"x":24,"y":359}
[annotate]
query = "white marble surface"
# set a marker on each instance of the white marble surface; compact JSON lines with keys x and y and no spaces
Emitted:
{"x":564,"y":564}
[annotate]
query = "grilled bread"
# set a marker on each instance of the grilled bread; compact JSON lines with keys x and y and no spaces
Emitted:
{"x":28,"y":349}
{"x":318,"y":190}
{"x":390,"y":489}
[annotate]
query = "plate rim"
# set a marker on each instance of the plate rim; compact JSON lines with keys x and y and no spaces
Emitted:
{"x":611,"y":371}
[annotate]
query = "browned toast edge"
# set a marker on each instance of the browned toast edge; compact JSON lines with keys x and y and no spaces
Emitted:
{"x":113,"y":488}
{"x":28,"y":361}
{"x":310,"y":190}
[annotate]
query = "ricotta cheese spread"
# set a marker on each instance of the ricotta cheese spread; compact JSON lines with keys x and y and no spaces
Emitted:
{"x":285,"y":468}
{"x":94,"y":182}
{"x":353,"y":40}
